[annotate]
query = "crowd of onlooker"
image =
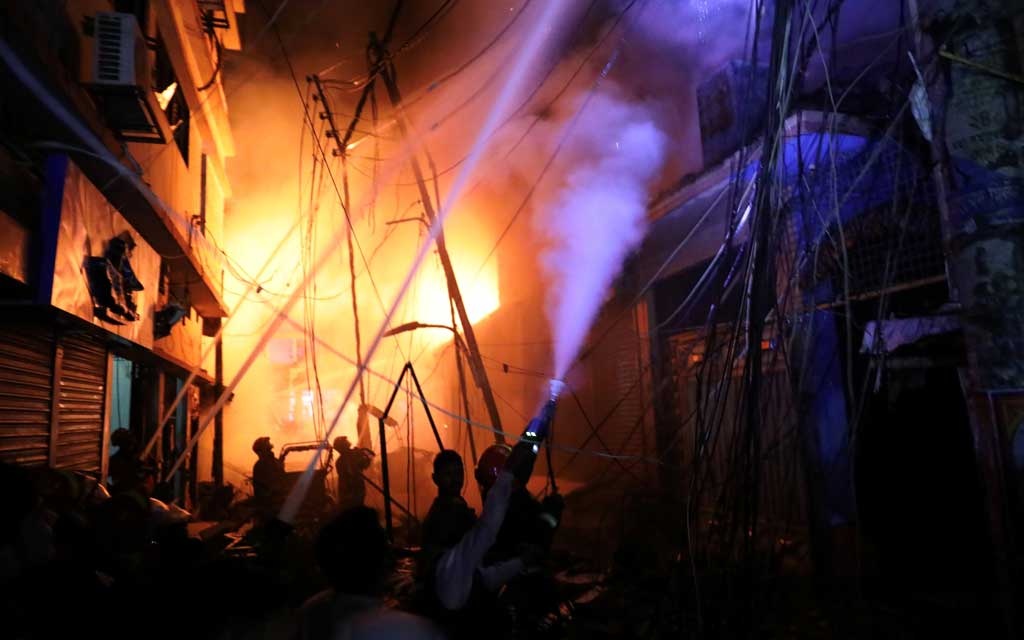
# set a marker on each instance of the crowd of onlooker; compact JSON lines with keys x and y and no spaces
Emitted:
{"x":79,"y":557}
{"x":75,"y":557}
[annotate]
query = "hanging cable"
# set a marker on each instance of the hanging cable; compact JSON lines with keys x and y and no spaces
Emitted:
{"x":219,"y":51}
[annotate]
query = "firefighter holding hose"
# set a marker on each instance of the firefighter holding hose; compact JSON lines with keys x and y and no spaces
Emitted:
{"x":463,"y":579}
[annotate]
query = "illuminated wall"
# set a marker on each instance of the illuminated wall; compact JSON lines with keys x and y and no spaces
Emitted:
{"x":87,"y":223}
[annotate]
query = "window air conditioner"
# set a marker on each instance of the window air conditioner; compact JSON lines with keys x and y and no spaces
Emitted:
{"x":118,"y":76}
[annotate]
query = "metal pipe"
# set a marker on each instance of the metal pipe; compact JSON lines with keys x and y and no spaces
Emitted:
{"x":384,"y":477}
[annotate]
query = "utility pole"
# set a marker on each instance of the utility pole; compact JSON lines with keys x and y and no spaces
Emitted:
{"x":766,"y":207}
{"x":462,"y":380}
{"x":341,"y":151}
{"x":984,"y":123}
{"x":362,"y":425}
{"x":476,"y":365}
{"x":977,"y":105}
{"x":218,"y":419}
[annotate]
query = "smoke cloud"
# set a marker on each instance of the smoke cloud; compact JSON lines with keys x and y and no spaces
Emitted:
{"x":706,"y":31}
{"x":597,"y":217}
{"x":619,"y":154}
{"x":587,"y":214}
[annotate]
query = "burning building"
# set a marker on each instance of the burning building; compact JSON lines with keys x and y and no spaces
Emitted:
{"x":115,"y":141}
{"x":767,"y":253}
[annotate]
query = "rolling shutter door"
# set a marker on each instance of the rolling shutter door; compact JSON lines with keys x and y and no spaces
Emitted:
{"x":81,"y":404}
{"x":26,"y":379}
{"x":627,"y":432}
{"x":620,"y":371}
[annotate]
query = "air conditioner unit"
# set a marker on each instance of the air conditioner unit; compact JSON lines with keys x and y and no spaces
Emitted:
{"x":118,"y":76}
{"x":731,"y":107}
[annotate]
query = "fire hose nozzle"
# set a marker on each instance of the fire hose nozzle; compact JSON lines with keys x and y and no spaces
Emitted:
{"x":555,"y":389}
{"x":538,"y":427}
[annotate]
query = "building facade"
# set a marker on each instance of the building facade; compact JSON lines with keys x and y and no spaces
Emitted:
{"x":113,"y":142}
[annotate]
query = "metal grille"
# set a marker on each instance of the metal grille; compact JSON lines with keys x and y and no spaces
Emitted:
{"x":717,"y":406}
{"x":26,"y":375}
{"x":81,"y":405}
{"x":109,"y":59}
{"x":890,"y":232}
{"x":878,"y":257}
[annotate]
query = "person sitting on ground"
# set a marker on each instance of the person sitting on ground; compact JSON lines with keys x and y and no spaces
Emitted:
{"x":353,"y":553}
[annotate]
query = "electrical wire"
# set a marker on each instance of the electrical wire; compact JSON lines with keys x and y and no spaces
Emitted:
{"x":219,"y":49}
{"x":330,"y":174}
{"x":310,"y":16}
{"x":563,"y":139}
{"x":528,"y":99}
{"x":417,"y":37}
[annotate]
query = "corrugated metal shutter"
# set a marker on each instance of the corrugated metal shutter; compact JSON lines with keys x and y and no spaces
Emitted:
{"x":83,"y":380}
{"x":628,"y":434}
{"x":621,"y":379}
{"x":26,"y":379}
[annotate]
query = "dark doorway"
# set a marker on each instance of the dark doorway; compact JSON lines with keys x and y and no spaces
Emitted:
{"x":921,"y":504}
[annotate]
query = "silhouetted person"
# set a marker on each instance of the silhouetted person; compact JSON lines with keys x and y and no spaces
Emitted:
{"x":527,"y":522}
{"x":460,"y":587}
{"x":527,"y":530}
{"x":125,"y":464}
{"x":26,"y":534}
{"x":124,"y":523}
{"x":353,"y":553}
{"x":267,"y":475}
{"x":350,"y":466}
{"x":449,"y":517}
{"x":47,"y":565}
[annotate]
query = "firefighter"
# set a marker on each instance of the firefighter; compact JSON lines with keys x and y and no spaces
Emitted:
{"x":350,"y":466}
{"x":528,"y":521}
{"x":267,"y":475}
{"x":460,"y":589}
{"x":527,"y":531}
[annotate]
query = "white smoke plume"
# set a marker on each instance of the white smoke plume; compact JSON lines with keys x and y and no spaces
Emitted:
{"x":618,"y":153}
{"x":707,"y":32}
{"x":597,"y":216}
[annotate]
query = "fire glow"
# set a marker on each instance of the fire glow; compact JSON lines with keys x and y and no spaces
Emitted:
{"x":481,"y":294}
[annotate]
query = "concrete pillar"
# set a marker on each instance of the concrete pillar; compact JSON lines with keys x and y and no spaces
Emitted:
{"x":978,"y":104}
{"x":984,"y":137}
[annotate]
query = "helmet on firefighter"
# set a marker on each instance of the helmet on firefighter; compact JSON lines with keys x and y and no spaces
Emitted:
{"x":262,"y":445}
{"x":491,"y":462}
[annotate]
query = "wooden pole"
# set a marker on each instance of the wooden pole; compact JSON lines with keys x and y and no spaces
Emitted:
{"x":218,"y":420}
{"x":476,"y":365}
